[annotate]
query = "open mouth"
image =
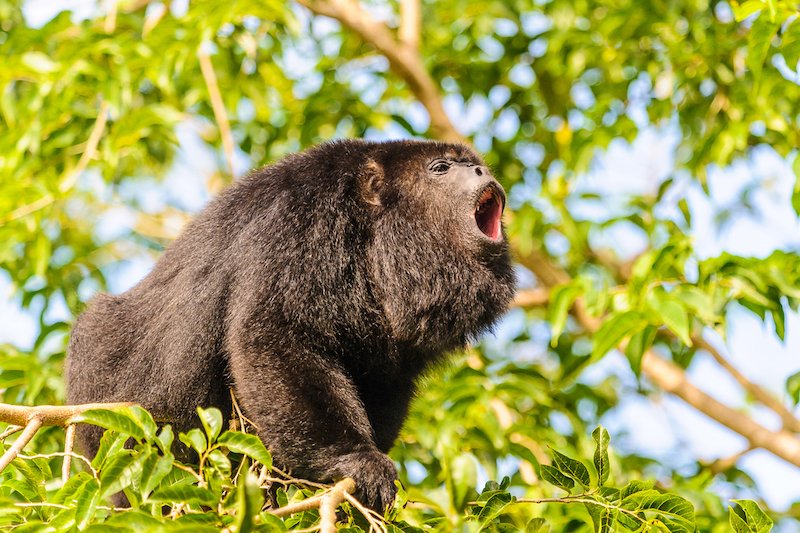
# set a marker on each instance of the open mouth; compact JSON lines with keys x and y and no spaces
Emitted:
{"x":488,"y":212}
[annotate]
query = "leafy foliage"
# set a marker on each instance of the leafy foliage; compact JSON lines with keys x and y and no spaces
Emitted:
{"x":107,"y":132}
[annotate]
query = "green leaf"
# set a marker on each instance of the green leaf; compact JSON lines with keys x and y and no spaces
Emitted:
{"x":212,"y":422}
{"x":553,"y":476}
{"x":191,"y":494}
{"x":87,"y":503}
{"x":155,"y":468}
{"x":165,"y":438}
{"x":571,"y":467}
{"x":796,"y":190}
{"x":614,"y":330}
{"x":642,"y":267}
{"x":638,"y":345}
{"x":675,"y":512}
{"x":143,"y":419}
{"x":537,"y":525}
{"x":463,"y":476}
{"x":119,"y":472}
{"x":747,"y":517}
{"x":71,"y":488}
{"x":248,"y":503}
{"x":604,"y":518}
{"x":220,"y":462}
{"x":697,"y":301}
{"x":39,"y":62}
{"x":136,"y":521}
{"x":746,"y":9}
{"x":607,"y":521}
{"x":793,"y":387}
{"x":494,"y":507}
{"x":601,"y":439}
{"x":635,"y":486}
{"x":110,"y":444}
{"x":195,"y":440}
{"x":561,"y":299}
{"x":119,"y":420}
{"x":672,"y":313}
{"x":33,"y":486}
{"x":249,"y":445}
{"x":758,"y":43}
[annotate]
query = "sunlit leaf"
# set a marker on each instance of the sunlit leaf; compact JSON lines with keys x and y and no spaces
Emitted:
{"x":249,"y":445}
{"x":747,"y":517}
{"x":601,"y":439}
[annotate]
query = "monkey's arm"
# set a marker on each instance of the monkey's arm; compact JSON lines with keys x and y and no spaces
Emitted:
{"x":311,"y":418}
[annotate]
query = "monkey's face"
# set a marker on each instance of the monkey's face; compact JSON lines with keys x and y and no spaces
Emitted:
{"x":442,"y":192}
{"x":477,"y":198}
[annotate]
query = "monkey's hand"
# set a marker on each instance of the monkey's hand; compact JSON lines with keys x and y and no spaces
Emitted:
{"x":374,"y":474}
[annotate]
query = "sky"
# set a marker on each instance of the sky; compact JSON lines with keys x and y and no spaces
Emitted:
{"x":668,"y":429}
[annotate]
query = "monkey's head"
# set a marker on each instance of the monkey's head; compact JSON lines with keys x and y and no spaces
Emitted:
{"x":439,"y":255}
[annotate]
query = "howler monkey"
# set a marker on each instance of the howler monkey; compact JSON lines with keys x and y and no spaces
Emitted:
{"x":317,"y":288}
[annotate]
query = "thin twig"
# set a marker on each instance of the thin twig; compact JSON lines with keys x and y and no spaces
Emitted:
{"x":240,"y":415}
{"x":724,"y":464}
{"x":293,"y":481}
{"x":40,"y":504}
{"x":790,"y":422}
{"x":27,"y":434}
{"x":374,"y":519}
{"x":90,"y":150}
{"x":531,"y":298}
{"x":671,"y":378}
{"x":315,"y":501}
{"x":10,"y":430}
{"x":217,"y":106}
{"x":153,"y":18}
{"x":65,"y":455}
{"x":27,"y":209}
{"x":110,"y":22}
{"x":587,"y":501}
{"x":69,"y":442}
{"x":403,"y":60}
{"x":198,"y":477}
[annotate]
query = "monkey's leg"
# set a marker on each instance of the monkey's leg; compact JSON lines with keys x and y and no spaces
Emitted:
{"x":311,"y":418}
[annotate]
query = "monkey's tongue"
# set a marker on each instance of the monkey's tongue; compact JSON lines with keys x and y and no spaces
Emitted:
{"x":487,"y":215}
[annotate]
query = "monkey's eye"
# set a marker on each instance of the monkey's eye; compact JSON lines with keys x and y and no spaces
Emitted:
{"x":440,"y":167}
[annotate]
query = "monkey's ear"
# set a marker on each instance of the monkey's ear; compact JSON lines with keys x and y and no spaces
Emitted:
{"x":372,"y":183}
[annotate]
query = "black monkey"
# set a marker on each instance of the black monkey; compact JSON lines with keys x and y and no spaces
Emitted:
{"x":318,"y":288}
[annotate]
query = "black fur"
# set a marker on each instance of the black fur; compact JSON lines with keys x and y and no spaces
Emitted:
{"x":318,"y":288}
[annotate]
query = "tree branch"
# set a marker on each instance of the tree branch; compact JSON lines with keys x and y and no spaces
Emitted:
{"x":91,"y":148}
{"x":210,"y":77}
{"x":671,"y":378}
{"x":49,"y":415}
{"x":790,"y":422}
{"x":327,"y":503}
{"x":410,"y":24}
{"x":403,"y":59}
{"x":69,"y":443}
{"x":331,"y":501}
{"x":531,"y":298}
{"x":34,"y":417}
{"x":30,"y":430}
{"x":723,"y":464}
